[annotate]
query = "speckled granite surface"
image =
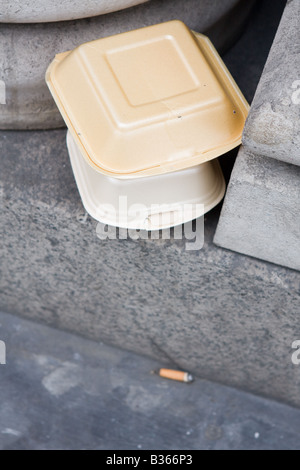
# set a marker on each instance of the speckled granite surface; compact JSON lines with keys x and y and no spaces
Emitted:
{"x":273,"y":126}
{"x":36,"y":11}
{"x":260,"y":215}
{"x":224,"y":316}
{"x":26,"y":50}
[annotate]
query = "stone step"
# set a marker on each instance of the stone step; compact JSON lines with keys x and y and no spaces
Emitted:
{"x":273,"y":126}
{"x":26,"y":50}
{"x":260,"y":216}
{"x":226,"y":317}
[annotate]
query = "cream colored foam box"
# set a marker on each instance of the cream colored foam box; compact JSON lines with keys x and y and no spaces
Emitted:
{"x":150,"y":203}
{"x":147,"y":102}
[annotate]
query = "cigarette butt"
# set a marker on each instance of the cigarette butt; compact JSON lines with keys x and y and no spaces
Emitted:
{"x":178,"y":375}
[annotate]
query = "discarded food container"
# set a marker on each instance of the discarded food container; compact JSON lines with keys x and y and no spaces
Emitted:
{"x":143,"y":105}
{"x":149,"y":203}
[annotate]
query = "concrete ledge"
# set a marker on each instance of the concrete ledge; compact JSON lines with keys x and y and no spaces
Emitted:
{"x":224,"y":316}
{"x":260,"y":216}
{"x":42,"y":11}
{"x":26,"y":50}
{"x":273,"y":126}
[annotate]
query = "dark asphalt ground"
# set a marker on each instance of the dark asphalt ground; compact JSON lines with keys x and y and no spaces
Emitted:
{"x":59,"y":391}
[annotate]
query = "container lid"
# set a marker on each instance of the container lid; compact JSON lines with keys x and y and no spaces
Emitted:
{"x":149,"y":101}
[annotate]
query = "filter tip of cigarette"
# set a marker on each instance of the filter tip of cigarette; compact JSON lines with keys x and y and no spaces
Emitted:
{"x":180,"y":376}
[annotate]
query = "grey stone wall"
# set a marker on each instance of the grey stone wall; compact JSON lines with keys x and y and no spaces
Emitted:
{"x":224,"y":316}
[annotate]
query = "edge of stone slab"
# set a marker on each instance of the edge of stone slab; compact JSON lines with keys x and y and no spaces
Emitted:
{"x":259,"y":180}
{"x":273,"y":125}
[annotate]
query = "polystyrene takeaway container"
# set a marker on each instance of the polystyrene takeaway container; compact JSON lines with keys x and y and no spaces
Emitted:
{"x":147,"y":102}
{"x":149,"y":203}
{"x":148,"y":112}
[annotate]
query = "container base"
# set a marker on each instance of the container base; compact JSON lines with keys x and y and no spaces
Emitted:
{"x":149,"y":203}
